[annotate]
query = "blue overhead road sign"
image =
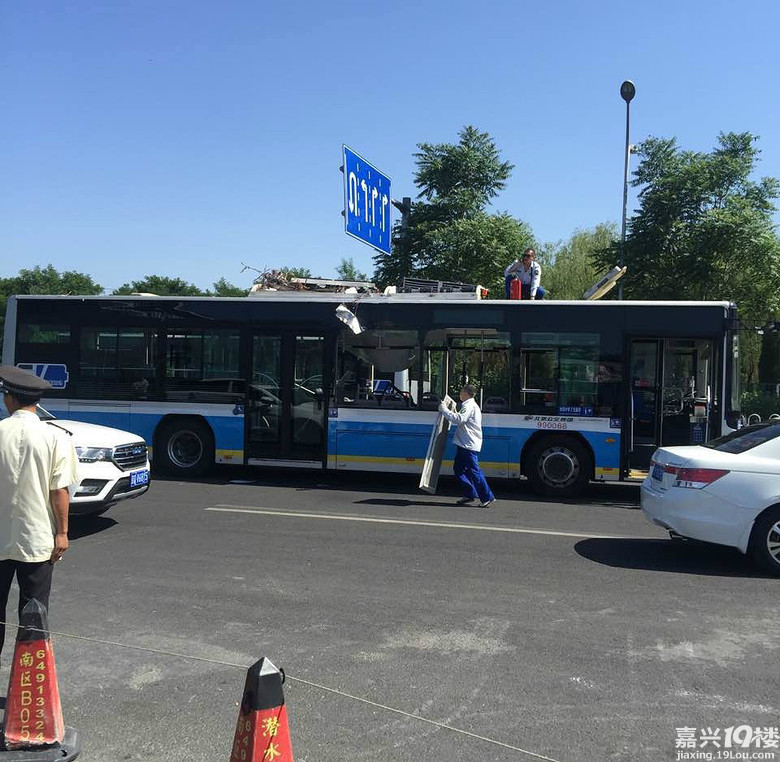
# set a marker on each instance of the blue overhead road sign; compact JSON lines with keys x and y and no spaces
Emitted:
{"x":366,"y":202}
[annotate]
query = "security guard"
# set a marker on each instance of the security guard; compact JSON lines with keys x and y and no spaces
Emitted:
{"x":37,"y":465}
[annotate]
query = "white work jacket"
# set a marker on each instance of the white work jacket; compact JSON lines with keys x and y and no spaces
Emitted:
{"x":531,"y":277}
{"x":35,"y":459}
{"x":469,"y":423}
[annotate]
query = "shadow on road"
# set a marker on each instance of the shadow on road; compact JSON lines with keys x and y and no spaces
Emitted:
{"x":84,"y":526}
{"x":676,"y":556}
{"x":613,"y":495}
{"x":406,"y":503}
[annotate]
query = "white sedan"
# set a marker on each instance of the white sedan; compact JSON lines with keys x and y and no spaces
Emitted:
{"x":113,"y":464}
{"x":726,"y":492}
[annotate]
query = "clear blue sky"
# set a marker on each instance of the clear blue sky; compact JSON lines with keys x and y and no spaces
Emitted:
{"x":181,"y":137}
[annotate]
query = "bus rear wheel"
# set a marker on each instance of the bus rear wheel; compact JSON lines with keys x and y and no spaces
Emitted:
{"x":559,"y":466}
{"x":185,"y":447}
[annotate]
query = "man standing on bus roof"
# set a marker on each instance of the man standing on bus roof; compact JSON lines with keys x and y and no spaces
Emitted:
{"x":468,"y":441}
{"x":37,"y":465}
{"x":529,"y":273}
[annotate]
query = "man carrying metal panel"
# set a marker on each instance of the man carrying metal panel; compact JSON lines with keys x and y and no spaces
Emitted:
{"x":468,"y":441}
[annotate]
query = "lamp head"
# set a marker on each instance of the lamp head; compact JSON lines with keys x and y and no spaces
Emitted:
{"x":627,"y":91}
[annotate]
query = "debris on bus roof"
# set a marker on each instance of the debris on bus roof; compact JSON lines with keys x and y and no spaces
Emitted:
{"x":278,"y":280}
{"x":335,"y":285}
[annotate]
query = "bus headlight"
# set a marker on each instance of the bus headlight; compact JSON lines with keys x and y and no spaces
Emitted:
{"x":94,"y":454}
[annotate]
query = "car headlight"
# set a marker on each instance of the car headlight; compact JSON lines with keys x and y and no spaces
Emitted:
{"x":94,"y":454}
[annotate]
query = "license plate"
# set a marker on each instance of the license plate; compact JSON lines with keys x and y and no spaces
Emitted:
{"x":139,"y":478}
{"x":658,"y":473}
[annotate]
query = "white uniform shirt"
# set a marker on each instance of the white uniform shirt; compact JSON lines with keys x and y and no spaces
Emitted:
{"x":531,"y":277}
{"x":35,"y":458}
{"x":469,"y":423}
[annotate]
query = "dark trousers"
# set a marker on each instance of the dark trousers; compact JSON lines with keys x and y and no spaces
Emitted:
{"x":466,"y":468}
{"x":540,"y":292}
{"x":34,"y":582}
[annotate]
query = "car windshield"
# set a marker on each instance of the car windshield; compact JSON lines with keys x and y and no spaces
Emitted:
{"x":44,"y":414}
{"x":746,"y":438}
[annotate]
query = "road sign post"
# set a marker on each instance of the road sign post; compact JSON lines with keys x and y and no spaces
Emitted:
{"x":366,"y":201}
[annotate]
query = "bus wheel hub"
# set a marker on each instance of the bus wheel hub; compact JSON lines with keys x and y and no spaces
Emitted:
{"x":558,"y":466}
{"x":185,"y":448}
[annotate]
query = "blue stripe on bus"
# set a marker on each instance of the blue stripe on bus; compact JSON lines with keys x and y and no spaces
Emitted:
{"x":500,"y":443}
{"x":360,"y":438}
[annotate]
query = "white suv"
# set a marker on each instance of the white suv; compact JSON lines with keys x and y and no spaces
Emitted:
{"x":113,"y":464}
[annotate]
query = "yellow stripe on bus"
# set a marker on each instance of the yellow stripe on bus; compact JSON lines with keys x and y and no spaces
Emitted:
{"x":229,"y":456}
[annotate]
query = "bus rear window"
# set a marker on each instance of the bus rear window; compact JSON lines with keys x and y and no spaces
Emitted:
{"x":746,"y":438}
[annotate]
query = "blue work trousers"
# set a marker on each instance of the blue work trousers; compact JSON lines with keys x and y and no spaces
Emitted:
{"x":466,"y":468}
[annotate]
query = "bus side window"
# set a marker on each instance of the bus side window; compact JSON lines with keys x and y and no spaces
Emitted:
{"x":433,"y":385}
{"x":535,"y":378}
{"x":203,"y":366}
{"x":455,"y":357}
{"x":556,"y":374}
{"x":117,"y":363}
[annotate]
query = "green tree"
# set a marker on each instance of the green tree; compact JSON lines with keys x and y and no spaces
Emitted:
{"x":45,"y":280}
{"x":449,"y":234}
{"x":348,"y":271}
{"x":568,"y":269}
{"x":704,"y":228}
{"x":160,"y":285}
{"x":223,"y":288}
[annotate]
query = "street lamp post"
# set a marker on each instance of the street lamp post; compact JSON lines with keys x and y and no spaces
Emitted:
{"x":627,"y":92}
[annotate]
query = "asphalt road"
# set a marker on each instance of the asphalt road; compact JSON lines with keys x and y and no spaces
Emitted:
{"x":571,"y":631}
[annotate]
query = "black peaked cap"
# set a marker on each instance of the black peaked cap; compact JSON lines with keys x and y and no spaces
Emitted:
{"x":18,"y":381}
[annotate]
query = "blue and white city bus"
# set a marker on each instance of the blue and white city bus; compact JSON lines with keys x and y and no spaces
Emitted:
{"x":570,"y":390}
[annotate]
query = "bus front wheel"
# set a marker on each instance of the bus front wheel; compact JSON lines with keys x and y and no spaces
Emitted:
{"x":185,"y":447}
{"x":559,"y":466}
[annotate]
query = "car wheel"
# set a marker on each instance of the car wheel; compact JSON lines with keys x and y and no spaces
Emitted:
{"x":765,"y":541}
{"x":559,"y":466}
{"x":185,"y":447}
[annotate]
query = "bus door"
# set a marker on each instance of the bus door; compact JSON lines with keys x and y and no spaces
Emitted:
{"x":671,"y":395}
{"x":286,"y":405}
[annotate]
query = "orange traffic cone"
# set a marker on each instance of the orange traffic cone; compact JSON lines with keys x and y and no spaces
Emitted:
{"x":262,"y":732}
{"x":33,"y":714}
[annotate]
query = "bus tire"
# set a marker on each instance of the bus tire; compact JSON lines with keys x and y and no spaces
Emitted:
{"x":185,"y":447}
{"x":559,"y":466}
{"x":766,"y":531}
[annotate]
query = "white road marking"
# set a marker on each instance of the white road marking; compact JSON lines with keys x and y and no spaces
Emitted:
{"x":410,"y":522}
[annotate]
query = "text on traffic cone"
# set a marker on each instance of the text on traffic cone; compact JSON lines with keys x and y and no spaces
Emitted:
{"x":33,"y":713}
